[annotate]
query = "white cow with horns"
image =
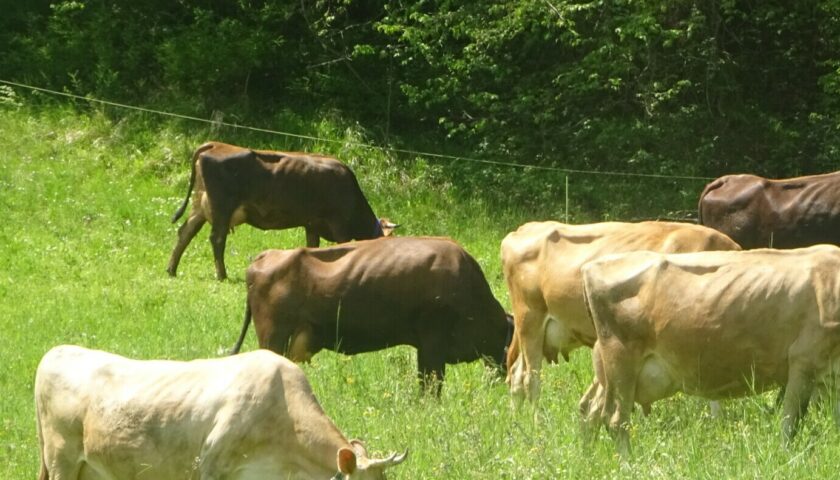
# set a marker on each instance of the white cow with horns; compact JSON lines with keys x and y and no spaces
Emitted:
{"x":249,"y":416}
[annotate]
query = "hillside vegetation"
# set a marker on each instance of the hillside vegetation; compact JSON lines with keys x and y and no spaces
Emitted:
{"x":679,"y":87}
{"x":87,"y":196}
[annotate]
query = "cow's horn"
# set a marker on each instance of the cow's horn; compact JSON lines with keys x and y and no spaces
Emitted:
{"x":387,"y":224}
{"x":394,"y":459}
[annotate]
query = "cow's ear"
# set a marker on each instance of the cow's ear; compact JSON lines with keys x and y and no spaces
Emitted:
{"x":359,"y":447}
{"x":346,"y":461}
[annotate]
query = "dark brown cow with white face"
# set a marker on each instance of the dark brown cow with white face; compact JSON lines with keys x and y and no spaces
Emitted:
{"x":271,"y":191}
{"x":789,"y":213}
{"x":369,"y":295}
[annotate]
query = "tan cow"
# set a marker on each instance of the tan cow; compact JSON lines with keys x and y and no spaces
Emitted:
{"x":542,"y":263}
{"x":712,"y":324}
{"x":249,"y":416}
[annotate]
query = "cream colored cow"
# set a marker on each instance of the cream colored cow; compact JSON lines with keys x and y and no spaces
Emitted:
{"x":542,"y":262}
{"x":249,"y":416}
{"x":712,"y":324}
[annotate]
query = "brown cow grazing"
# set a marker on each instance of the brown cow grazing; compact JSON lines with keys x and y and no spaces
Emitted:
{"x":790,"y":213}
{"x":271,"y":191}
{"x":542,"y":263}
{"x":374,"y":294}
{"x":712,"y":324}
{"x":104,"y":416}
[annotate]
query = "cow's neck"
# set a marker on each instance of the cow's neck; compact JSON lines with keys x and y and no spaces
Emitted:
{"x":321,"y":444}
{"x":318,"y":463}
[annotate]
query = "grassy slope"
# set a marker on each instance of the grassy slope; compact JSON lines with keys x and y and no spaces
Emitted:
{"x":83,"y":246}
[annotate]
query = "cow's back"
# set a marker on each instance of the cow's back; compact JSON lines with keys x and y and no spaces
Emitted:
{"x":544,"y":259}
{"x":409,"y":270}
{"x":808,"y":210}
{"x":714,"y":319}
{"x":276,"y":190}
{"x":758,"y":212}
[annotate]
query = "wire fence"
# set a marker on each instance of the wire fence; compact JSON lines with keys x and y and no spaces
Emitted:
{"x":432,"y":155}
{"x":611,"y":184}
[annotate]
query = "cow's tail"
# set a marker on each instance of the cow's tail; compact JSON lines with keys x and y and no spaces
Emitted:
{"x":586,"y":302}
{"x":183,"y":206}
{"x":245,"y":323}
{"x":714,"y":185}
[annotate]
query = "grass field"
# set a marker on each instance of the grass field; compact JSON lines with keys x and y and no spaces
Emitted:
{"x":85,"y":237}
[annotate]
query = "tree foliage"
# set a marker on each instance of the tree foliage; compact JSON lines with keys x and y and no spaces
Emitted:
{"x":698,"y":87}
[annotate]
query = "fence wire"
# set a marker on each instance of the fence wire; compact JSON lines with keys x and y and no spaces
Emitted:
{"x":437,"y":156}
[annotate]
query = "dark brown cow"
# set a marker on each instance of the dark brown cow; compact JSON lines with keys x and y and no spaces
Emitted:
{"x":789,"y":213}
{"x":272,"y":190}
{"x":374,"y":294}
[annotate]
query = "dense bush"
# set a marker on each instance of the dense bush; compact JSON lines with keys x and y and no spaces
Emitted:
{"x":659,"y":87}
{"x":675,"y":87}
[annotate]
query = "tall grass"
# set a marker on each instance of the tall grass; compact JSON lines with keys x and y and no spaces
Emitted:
{"x":85,"y":237}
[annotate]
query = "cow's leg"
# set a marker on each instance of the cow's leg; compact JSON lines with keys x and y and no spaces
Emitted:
{"x":516,"y":360}
{"x":313,"y":240}
{"x":516,"y":381}
{"x":798,"y":391}
{"x":780,"y":400}
{"x":585,"y":403}
{"x":218,"y":239}
{"x":620,"y":364}
{"x":592,"y":402}
{"x":276,"y":335}
{"x":525,"y":381}
{"x":64,"y":462}
{"x":222,"y":209}
{"x":513,"y":354}
{"x":590,"y":406}
{"x":186,"y":232}
{"x":300,"y":345}
{"x":431,"y":367}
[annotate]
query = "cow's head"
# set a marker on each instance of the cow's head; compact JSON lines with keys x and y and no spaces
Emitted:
{"x":385,"y":227}
{"x":354,"y":464}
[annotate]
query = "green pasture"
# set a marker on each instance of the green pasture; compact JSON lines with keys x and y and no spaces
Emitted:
{"x":86,"y":199}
